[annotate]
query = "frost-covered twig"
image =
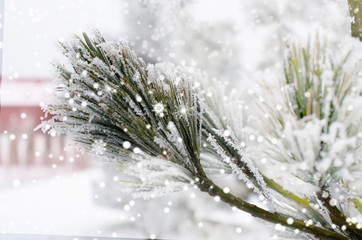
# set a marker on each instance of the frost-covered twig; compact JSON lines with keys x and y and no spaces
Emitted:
{"x":155,"y":122}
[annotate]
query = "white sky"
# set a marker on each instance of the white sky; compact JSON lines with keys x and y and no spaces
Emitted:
{"x":32,"y":29}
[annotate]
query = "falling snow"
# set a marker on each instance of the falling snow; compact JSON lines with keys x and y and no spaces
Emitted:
{"x":250,"y":124}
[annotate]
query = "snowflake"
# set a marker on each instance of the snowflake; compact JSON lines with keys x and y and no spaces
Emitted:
{"x":183,"y":110}
{"x":126,"y":144}
{"x":159,"y":108}
{"x":99,"y":147}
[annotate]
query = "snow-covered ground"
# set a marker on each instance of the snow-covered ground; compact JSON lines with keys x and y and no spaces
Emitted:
{"x":66,"y":205}
{"x":54,"y":237}
{"x":62,"y":205}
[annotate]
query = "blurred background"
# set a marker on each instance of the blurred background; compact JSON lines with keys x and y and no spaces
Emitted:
{"x":46,"y":187}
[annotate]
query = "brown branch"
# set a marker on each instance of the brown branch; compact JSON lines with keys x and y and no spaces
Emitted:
{"x":338,"y":217}
{"x":355,"y":10}
{"x":206,"y":185}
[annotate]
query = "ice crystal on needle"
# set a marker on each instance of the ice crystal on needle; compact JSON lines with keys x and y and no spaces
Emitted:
{"x":159,"y":108}
{"x":98,"y":147}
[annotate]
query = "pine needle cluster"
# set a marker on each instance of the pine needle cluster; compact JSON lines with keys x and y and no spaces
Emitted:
{"x":170,"y":128}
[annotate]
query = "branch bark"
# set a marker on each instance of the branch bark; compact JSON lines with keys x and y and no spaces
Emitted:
{"x":206,"y":185}
{"x":355,"y":10}
{"x":339,"y":218}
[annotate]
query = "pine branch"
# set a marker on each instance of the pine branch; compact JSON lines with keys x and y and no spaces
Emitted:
{"x":152,"y":121}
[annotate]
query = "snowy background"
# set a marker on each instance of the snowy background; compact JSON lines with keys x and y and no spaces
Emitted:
{"x":44,"y":190}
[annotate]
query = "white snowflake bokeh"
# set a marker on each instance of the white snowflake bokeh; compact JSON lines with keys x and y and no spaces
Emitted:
{"x":236,"y":41}
{"x":99,"y":147}
{"x":159,"y":108}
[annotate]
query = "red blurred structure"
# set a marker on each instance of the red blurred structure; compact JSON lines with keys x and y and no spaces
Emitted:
{"x":25,"y":153}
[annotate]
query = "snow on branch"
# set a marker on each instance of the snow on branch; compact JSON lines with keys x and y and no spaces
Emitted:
{"x":164,"y":126}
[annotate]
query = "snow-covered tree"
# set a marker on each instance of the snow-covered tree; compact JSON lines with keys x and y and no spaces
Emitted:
{"x":231,"y":41}
{"x":170,"y":128}
{"x":162,"y":31}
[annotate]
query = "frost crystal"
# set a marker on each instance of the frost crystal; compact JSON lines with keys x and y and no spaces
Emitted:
{"x":99,"y":147}
{"x":159,"y":108}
